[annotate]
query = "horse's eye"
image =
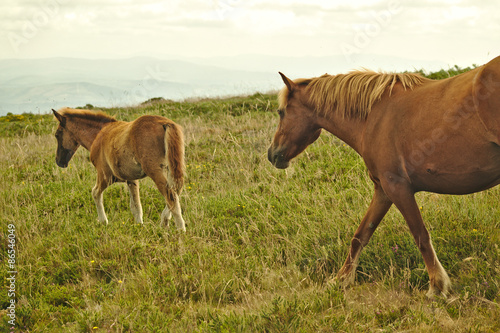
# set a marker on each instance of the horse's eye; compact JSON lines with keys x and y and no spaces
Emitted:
{"x":281,"y":112}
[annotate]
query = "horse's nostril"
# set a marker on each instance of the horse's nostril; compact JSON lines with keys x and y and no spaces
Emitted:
{"x":271,"y":156}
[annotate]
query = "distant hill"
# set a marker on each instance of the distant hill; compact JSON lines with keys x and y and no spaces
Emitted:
{"x":41,"y":84}
{"x":37,"y":85}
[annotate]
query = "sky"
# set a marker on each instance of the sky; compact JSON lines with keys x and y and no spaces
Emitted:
{"x":451,"y":31}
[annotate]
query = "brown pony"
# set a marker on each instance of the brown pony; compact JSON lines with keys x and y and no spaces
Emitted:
{"x":414,"y":134}
{"x":125,"y":152}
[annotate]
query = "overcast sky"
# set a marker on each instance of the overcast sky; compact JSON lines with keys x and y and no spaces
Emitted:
{"x":452,"y":31}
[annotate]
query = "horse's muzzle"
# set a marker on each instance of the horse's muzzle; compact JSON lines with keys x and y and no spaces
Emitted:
{"x":63,"y":156}
{"x":61,"y":164}
{"x":277,"y":158}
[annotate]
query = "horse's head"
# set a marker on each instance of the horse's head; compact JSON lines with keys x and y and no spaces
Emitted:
{"x":66,"y":144}
{"x":297,"y":128}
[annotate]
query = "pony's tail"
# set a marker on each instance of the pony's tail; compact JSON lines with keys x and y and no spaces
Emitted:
{"x":174,"y":145}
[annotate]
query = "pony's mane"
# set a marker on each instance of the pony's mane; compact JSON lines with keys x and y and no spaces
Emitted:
{"x":353,"y":94}
{"x":94,"y":116}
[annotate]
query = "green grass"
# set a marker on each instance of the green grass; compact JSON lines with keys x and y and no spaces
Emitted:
{"x":260,"y":245}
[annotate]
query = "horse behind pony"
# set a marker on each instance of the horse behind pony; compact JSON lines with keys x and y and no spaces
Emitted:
{"x":121,"y":151}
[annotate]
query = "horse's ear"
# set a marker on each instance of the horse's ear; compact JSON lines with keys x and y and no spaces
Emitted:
{"x":60,"y":117}
{"x":289,"y":83}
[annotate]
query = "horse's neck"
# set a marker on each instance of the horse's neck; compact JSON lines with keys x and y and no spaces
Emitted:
{"x":349,"y":130}
{"x":85,"y":133}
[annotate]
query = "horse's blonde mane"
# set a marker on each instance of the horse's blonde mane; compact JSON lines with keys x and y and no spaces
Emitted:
{"x":97,"y":116}
{"x":352,"y":94}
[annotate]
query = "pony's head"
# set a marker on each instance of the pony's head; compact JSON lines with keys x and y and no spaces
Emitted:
{"x":297,"y":128}
{"x":66,"y":144}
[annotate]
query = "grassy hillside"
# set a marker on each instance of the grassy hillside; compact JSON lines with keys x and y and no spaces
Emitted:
{"x":260,"y":242}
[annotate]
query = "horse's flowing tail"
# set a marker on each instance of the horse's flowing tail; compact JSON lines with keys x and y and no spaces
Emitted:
{"x":174,"y":144}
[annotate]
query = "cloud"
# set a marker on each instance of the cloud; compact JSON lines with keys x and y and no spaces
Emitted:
{"x":217,"y":27}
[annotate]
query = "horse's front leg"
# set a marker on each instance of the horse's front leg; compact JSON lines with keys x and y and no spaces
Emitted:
{"x":404,"y":198}
{"x":99,"y":187}
{"x":376,"y":211}
{"x":135,"y":200}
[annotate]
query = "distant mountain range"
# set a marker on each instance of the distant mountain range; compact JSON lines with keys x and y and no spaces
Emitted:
{"x":37,"y":85}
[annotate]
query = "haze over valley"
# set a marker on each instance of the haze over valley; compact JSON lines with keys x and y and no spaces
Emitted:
{"x":38,"y":85}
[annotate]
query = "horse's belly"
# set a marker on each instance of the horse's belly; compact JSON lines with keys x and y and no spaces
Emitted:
{"x":128,"y":169}
{"x":459,"y":174}
{"x":456,"y":183}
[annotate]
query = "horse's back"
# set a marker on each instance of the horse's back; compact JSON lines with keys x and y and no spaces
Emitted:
{"x":435,"y":135}
{"x":150,"y":120}
{"x":147,"y":135}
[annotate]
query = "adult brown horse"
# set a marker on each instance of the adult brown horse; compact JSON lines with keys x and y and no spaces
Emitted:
{"x":414,"y":134}
{"x":125,"y":152}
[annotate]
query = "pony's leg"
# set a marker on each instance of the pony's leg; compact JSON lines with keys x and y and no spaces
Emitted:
{"x":166,"y":215}
{"x":173,"y":206}
{"x":135,"y":200}
{"x":379,"y":206}
{"x":99,"y":187}
{"x":403,"y":197}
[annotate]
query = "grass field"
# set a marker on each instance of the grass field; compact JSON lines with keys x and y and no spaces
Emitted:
{"x":260,"y":245}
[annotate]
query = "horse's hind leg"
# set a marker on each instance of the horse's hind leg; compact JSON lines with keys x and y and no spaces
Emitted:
{"x":99,"y":187}
{"x":166,"y":215}
{"x":173,"y":207}
{"x":135,"y":200}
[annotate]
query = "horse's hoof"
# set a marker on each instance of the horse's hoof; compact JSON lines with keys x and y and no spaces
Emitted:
{"x":439,"y":287}
{"x":345,"y":279}
{"x":436,"y":293}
